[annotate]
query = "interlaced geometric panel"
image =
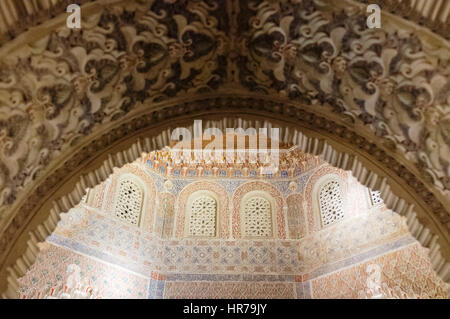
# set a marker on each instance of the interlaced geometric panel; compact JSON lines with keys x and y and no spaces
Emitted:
{"x":376,"y":198}
{"x":331,"y":204}
{"x":129,"y":202}
{"x":203,"y":217}
{"x":257,"y":217}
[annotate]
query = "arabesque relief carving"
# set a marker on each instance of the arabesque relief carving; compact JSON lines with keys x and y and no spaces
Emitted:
{"x":72,"y":82}
{"x":68,"y":84}
{"x":387,"y":80}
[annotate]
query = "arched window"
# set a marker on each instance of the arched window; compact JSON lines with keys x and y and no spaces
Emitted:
{"x":203,"y":217}
{"x":375,"y":197}
{"x":331,"y":203}
{"x":129,"y":200}
{"x":257,"y":217}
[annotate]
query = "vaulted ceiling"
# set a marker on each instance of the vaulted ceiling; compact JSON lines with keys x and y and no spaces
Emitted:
{"x":137,"y":64}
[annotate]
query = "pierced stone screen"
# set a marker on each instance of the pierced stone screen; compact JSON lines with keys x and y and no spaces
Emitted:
{"x":257,"y":217}
{"x":376,"y":198}
{"x":129,"y":202}
{"x":331,"y":204}
{"x":203,"y":217}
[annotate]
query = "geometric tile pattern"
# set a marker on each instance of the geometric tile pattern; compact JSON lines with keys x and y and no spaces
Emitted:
{"x":101,"y":233}
{"x":156,"y":260}
{"x":408,"y":268}
{"x":241,"y":282}
{"x":229,"y":290}
{"x":156,"y":286}
{"x":49,"y":271}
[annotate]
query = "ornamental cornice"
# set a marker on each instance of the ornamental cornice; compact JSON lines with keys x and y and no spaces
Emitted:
{"x":179,"y":162}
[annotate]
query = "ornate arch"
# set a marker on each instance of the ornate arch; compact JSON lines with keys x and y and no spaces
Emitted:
{"x":93,"y":88}
{"x":150,"y":204}
{"x":129,"y":200}
{"x":337,"y":186}
{"x":202,"y":208}
{"x":258,"y":215}
{"x":130,"y":150}
{"x":223,"y":212}
{"x":322,"y":174}
{"x":245,"y":188}
{"x":101,"y":92}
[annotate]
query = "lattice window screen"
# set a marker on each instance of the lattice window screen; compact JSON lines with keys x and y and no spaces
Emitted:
{"x":129,"y":202}
{"x":203,"y":217}
{"x":331,"y":203}
{"x":376,"y":198}
{"x":257,"y":217}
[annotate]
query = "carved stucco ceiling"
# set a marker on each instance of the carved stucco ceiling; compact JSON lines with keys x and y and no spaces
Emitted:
{"x":18,"y":16}
{"x":68,"y":85}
